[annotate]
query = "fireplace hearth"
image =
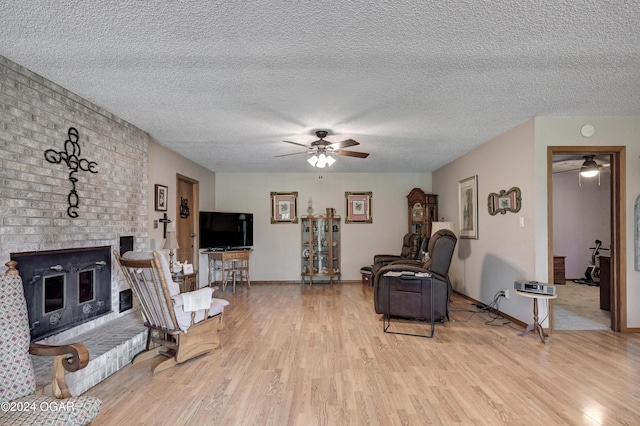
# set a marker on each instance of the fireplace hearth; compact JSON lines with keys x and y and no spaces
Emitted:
{"x":65,"y":288}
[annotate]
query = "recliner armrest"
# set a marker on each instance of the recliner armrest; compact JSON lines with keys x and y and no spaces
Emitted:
{"x":409,"y":262}
{"x":385,"y":258}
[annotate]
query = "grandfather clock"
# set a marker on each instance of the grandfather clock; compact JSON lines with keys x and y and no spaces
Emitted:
{"x":423,"y":209}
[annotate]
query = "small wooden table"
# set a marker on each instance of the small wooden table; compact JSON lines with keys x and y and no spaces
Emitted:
{"x":188,"y":282}
{"x":225,"y":257}
{"x":536,"y":324}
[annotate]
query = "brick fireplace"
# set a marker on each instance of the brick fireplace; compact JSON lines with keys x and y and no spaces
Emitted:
{"x":35,"y":197}
{"x":70,"y":298}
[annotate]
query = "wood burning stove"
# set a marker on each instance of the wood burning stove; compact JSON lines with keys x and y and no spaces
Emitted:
{"x":65,"y":288}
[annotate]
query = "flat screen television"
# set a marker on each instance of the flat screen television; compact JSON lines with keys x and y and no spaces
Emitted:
{"x":222,"y":230}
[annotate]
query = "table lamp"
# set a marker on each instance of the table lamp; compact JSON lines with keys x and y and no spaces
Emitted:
{"x":171,"y":243}
{"x":436,"y":226}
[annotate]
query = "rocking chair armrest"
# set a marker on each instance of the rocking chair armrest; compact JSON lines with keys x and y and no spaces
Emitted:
{"x":77,"y":359}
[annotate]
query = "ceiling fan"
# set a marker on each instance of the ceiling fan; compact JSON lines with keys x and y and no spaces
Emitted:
{"x":321,"y":150}
{"x":578,"y":163}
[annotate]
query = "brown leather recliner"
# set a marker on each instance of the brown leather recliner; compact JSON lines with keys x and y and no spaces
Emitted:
{"x":411,"y":297}
{"x":410,"y":250}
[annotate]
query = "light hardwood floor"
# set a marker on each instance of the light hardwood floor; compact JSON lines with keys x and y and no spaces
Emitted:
{"x":582,"y":308}
{"x":295,"y":355}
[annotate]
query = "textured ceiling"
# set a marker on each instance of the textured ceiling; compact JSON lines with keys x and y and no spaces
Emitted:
{"x":416,"y":83}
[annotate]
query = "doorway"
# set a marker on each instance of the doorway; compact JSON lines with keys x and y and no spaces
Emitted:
{"x":187,"y":203}
{"x":581,"y":216}
{"x":617,"y":225}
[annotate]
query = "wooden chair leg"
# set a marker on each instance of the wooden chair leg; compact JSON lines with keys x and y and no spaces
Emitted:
{"x":60,"y":388}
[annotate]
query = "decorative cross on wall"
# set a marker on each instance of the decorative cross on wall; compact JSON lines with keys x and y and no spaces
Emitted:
{"x":165,"y":221}
{"x":71,"y":156}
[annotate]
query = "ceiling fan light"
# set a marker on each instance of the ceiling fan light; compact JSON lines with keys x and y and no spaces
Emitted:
{"x":322,"y":161}
{"x":589,"y":173}
{"x":330,"y":160}
{"x":313,"y":160}
{"x":589,"y":167}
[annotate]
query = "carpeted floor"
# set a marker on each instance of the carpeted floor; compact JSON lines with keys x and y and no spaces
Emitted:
{"x":578,"y":308}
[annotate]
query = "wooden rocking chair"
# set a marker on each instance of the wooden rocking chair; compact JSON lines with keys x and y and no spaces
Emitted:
{"x":181,"y":326}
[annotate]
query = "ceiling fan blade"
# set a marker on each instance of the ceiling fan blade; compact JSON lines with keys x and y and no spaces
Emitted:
{"x":295,"y":153}
{"x":351,"y":153}
{"x":296,"y":143}
{"x":344,"y":144}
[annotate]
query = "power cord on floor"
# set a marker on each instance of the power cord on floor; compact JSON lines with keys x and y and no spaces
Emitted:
{"x":492,"y":310}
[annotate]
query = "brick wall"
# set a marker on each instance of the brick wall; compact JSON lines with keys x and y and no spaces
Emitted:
{"x":35,"y":115}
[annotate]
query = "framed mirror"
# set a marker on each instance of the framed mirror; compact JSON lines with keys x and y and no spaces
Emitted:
{"x":505,"y":201}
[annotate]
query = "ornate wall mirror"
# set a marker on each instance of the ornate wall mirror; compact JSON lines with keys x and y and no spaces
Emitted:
{"x":505,"y":201}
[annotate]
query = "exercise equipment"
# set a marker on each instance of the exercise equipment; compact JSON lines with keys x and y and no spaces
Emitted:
{"x":592,"y":274}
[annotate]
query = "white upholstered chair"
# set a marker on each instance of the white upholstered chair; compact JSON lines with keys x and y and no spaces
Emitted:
{"x":17,"y":378}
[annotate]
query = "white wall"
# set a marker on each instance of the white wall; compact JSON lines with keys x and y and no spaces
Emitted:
{"x":581,"y":214}
{"x":277,"y":247}
{"x":504,"y":252}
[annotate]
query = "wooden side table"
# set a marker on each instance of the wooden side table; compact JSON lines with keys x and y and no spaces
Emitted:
{"x":188,"y":282}
{"x":536,"y":324}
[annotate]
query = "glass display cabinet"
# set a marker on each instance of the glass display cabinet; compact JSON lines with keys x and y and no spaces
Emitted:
{"x":321,"y":248}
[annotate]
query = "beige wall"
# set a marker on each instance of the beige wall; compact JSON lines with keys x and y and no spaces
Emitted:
{"x":504,"y":252}
{"x":623,"y":131}
{"x":163,"y":167}
{"x":277,"y":250}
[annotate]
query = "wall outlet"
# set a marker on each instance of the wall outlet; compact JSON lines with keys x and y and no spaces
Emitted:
{"x":505,"y":293}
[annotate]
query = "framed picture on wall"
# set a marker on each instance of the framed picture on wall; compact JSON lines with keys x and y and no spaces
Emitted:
{"x":468,"y":207}
{"x":161,"y":198}
{"x":505,"y":201}
{"x":284,"y":207}
{"x":358,"y":207}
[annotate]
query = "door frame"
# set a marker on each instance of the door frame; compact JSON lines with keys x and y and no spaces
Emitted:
{"x":618,"y":225}
{"x":194,"y":208}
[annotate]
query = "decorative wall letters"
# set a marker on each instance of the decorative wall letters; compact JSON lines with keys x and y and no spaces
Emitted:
{"x":71,"y":157}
